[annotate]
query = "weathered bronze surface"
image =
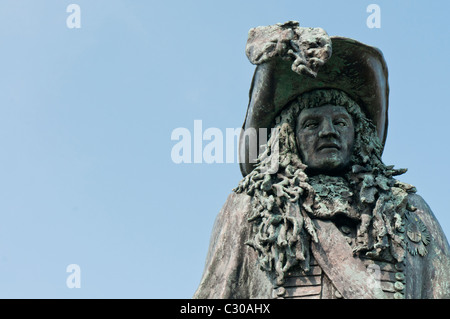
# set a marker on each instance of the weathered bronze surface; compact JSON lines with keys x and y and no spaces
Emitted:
{"x":330,"y":220}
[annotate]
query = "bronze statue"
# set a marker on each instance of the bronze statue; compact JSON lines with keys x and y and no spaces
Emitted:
{"x":318,"y":214}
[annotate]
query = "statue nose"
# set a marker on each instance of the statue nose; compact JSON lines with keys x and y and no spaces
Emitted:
{"x":327,"y":129}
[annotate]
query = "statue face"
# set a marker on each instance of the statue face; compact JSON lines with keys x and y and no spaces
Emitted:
{"x":325,"y":137}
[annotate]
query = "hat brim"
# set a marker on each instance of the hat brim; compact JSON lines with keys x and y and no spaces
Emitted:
{"x":355,"y":68}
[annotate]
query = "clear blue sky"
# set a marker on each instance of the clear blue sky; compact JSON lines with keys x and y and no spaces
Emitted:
{"x":86,"y":117}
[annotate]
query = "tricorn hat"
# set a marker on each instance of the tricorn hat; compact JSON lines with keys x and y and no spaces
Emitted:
{"x":292,"y":61}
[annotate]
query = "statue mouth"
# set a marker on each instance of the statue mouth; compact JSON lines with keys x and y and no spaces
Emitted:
{"x":328,"y":146}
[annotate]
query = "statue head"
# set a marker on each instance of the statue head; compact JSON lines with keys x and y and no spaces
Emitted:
{"x":331,"y":132}
{"x":325,"y":137}
{"x":357,"y":69}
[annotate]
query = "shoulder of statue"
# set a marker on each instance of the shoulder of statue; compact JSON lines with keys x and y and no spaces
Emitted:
{"x":421,"y":209}
{"x":435,"y":273}
{"x":422,"y":221}
{"x":236,"y":209}
{"x":239,"y":201}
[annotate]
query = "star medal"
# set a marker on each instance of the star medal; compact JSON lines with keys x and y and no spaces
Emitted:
{"x":418,"y":235}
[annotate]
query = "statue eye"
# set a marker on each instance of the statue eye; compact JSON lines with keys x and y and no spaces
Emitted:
{"x":341,"y":123}
{"x":310,"y":125}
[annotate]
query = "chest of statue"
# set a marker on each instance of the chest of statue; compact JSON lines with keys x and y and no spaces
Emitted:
{"x":314,"y":284}
{"x":387,"y":275}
